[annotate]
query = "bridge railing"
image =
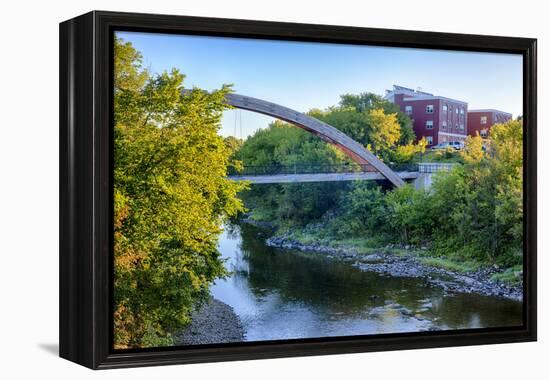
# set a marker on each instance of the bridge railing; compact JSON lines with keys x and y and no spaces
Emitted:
{"x":313,"y":168}
{"x":299,"y":169}
{"x":409,"y":167}
{"x":434,"y":167}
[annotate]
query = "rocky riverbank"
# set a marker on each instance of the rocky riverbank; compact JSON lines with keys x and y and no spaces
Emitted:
{"x":409,"y":265}
{"x":214,"y":322}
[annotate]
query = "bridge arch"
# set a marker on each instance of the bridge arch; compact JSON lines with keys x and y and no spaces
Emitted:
{"x":353,"y":149}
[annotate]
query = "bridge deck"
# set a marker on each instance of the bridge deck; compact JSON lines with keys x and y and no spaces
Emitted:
{"x":319,"y":177}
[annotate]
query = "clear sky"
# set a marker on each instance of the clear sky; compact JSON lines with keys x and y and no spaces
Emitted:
{"x":303,"y":76}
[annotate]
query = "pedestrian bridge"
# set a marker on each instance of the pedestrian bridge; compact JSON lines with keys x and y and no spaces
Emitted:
{"x":366,"y":165}
{"x":353,"y":149}
{"x":317,"y":173}
{"x":420,"y":174}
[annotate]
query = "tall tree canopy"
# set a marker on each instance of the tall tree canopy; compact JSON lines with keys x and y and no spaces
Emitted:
{"x":170,"y":198}
{"x":285,"y":144}
{"x":385,"y":132}
{"x":365,"y":102}
{"x":374,"y":122}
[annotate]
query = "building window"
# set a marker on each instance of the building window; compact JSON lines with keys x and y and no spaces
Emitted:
{"x":430,"y":108}
{"x":456,"y":110}
{"x":444,"y":124}
{"x":461,"y":127}
{"x":444,"y":108}
{"x":429,"y":139}
{"x":456,"y":126}
{"x":483,"y":133}
{"x":483,"y":120}
{"x":462,"y":111}
{"x":429,"y":124}
{"x":408,"y":110}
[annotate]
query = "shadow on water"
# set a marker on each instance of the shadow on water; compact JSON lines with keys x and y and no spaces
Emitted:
{"x":282,"y":294}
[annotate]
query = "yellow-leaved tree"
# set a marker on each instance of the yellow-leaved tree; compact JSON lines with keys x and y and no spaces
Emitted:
{"x":385,"y":131}
{"x":171,"y":196}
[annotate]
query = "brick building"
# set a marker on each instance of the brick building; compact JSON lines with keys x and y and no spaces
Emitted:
{"x":436,"y":118}
{"x":481,"y":121}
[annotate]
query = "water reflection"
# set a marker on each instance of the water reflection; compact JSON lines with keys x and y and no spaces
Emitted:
{"x":281,"y":294}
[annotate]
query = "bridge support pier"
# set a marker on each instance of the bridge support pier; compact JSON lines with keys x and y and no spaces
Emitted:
{"x":423,"y":181}
{"x":427,"y":171}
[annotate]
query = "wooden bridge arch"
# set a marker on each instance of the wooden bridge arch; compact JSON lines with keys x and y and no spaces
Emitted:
{"x":356,"y":151}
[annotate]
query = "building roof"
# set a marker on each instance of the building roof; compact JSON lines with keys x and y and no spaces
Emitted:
{"x":414,"y":95}
{"x":433,"y":97}
{"x":490,"y":110}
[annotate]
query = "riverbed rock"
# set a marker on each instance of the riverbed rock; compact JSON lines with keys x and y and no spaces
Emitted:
{"x":214,"y":322}
{"x":372,"y":258}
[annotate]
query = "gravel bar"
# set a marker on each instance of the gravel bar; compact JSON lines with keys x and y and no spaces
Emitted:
{"x":215,"y":322}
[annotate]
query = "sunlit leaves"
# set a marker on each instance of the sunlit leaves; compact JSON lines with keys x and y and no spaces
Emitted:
{"x":473,"y":151}
{"x":385,"y":131}
{"x":171,"y":196}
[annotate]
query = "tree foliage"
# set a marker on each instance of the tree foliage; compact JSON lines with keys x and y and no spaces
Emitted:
{"x":372,"y":121}
{"x":407,"y":153}
{"x":385,"y":132}
{"x":473,"y":150}
{"x":474,"y":212}
{"x":366,"y":118}
{"x":282,"y":144}
{"x":366,"y":102}
{"x":285,"y":144}
{"x":170,"y":198}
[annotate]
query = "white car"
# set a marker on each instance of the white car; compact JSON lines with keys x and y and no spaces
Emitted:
{"x":457,"y":145}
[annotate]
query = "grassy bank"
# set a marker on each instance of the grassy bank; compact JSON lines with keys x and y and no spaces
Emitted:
{"x":317,"y":235}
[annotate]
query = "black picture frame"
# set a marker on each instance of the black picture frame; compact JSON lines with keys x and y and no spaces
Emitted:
{"x":86,"y":207}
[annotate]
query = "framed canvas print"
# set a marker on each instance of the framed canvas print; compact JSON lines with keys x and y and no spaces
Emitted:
{"x":235,"y":189}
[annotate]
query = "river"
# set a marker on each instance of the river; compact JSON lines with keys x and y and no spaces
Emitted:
{"x":282,"y":294}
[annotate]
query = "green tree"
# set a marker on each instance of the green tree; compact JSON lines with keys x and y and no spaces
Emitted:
{"x":348,"y":120}
{"x":410,"y":215}
{"x":365,"y":208}
{"x":233,"y":143}
{"x":406,"y":153}
{"x":372,"y":121}
{"x":483,"y":199}
{"x":170,"y":198}
{"x":506,"y":147}
{"x":473,"y":149}
{"x":474,"y":212}
{"x":283,"y":144}
{"x":366,"y":101}
{"x":385,"y":132}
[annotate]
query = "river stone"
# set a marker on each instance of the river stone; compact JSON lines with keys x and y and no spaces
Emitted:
{"x":214,"y":322}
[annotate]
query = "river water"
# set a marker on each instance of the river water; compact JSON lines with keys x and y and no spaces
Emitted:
{"x":282,"y":294}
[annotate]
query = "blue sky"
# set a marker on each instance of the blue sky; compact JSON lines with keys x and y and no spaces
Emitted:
{"x":303,"y":76}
